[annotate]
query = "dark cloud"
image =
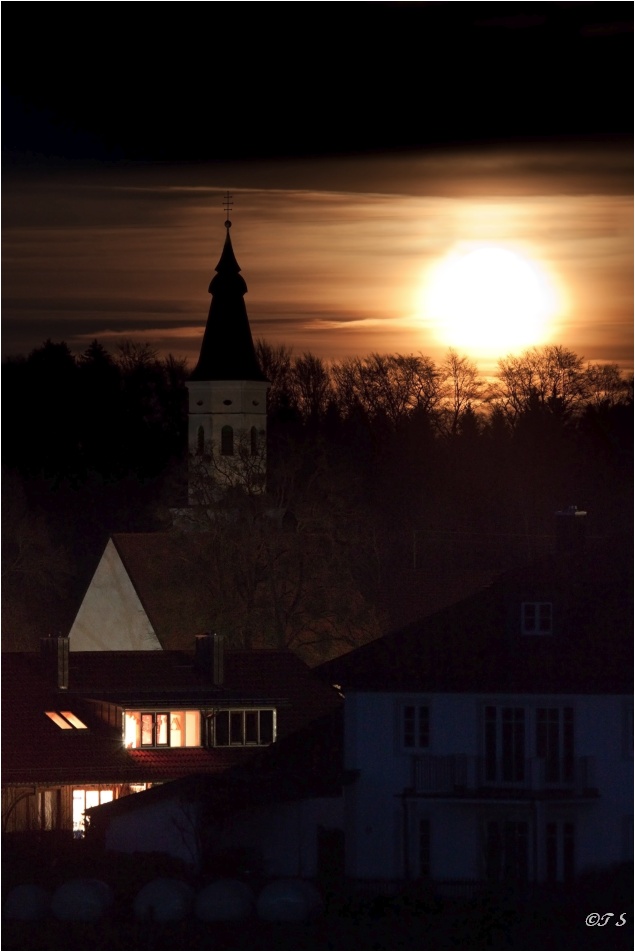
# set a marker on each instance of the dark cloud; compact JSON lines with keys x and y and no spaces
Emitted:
{"x":223,"y":81}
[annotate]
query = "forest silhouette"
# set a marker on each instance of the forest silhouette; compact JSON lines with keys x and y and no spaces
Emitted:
{"x":393,"y":474}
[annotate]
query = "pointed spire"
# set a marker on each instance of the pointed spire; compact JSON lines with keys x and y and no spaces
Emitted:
{"x":227,"y":351}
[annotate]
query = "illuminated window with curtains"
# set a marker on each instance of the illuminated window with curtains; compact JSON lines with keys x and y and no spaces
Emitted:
{"x":243,"y":728}
{"x":162,"y":729}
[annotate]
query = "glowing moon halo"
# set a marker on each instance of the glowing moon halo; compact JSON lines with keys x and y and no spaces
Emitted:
{"x":488,"y":299}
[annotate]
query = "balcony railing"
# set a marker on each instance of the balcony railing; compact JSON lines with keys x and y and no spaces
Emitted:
{"x":464,"y":774}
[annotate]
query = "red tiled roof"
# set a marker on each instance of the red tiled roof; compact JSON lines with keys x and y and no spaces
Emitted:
{"x":155,"y":677}
{"x":35,"y":750}
{"x":181,"y":762}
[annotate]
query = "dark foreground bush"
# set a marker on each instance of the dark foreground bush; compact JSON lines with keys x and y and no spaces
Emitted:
{"x":416,"y":918}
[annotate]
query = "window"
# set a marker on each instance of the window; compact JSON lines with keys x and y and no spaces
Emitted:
{"x":504,"y":744}
{"x":555,"y":743}
{"x":415,"y":722}
{"x":507,"y":851}
{"x":424,"y":848}
{"x":560,"y":852}
{"x":536,"y":618}
{"x":82,"y":801}
{"x":200,"y":441}
{"x":254,"y":440}
{"x":227,"y":441}
{"x":243,"y":728}
{"x":162,"y":729}
{"x":66,"y":720}
{"x":154,"y":730}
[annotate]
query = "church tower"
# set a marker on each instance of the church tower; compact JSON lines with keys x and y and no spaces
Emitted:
{"x":227,"y":392}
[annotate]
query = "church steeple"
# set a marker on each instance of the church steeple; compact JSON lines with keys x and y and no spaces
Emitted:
{"x":227,"y":391}
{"x":227,"y":351}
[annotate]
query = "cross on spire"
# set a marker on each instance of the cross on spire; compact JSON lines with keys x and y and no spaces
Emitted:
{"x":227,"y":204}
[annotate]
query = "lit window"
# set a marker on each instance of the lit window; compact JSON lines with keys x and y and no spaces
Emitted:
{"x":536,"y":618}
{"x":74,"y":720}
{"x":243,"y":728}
{"x":59,"y":720}
{"x":162,"y":729}
{"x":66,"y":720}
{"x":415,"y":723}
{"x":83,"y":800}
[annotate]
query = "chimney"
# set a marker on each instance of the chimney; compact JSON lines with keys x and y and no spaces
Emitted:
{"x":54,"y":652}
{"x":209,"y":652}
{"x":570,"y":532}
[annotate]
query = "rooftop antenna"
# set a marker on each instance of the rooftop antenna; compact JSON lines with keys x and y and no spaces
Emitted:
{"x":227,"y":204}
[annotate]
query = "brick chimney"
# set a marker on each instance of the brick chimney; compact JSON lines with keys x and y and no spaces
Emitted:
{"x":209,"y":656}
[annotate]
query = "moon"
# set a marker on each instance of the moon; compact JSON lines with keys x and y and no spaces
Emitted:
{"x":489,"y":300}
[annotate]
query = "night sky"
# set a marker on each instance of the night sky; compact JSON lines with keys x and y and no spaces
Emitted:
{"x":362,"y":142}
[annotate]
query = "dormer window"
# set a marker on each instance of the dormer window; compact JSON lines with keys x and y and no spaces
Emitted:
{"x":162,"y":729}
{"x":536,"y":618}
{"x":243,"y":727}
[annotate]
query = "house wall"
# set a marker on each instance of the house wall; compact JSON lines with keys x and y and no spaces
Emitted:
{"x":36,"y":807}
{"x":605,"y":726}
{"x":276,"y":839}
{"x":281,"y":839}
{"x":169,"y":826}
{"x":214,"y":404}
{"x":111,"y":616}
{"x":47,"y":808}
{"x":383,"y":816}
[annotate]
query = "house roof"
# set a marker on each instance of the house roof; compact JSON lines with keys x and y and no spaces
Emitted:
{"x":36,"y":750}
{"x":476,"y":645}
{"x":165,"y":570}
{"x":152,"y":678}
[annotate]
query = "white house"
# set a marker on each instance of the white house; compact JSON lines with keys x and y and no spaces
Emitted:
{"x":493,"y":741}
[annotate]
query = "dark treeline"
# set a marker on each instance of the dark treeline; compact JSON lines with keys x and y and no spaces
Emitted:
{"x":407,"y":460}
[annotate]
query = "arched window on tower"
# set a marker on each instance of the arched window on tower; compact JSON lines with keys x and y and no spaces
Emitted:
{"x":254,"y":441}
{"x":200,"y":441}
{"x":227,"y":441}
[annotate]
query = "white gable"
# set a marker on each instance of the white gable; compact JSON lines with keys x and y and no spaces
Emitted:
{"x":111,"y":616}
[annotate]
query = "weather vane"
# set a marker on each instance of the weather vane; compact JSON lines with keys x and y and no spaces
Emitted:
{"x":227,"y":204}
